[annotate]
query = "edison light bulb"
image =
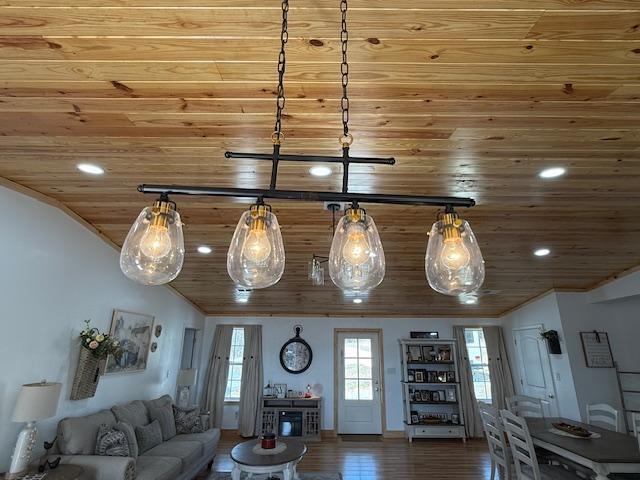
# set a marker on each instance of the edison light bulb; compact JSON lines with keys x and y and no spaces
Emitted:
{"x":356,"y":259}
{"x":153,"y":251}
{"x":257,"y":247}
{"x":356,"y":250}
{"x":453,"y":263}
{"x":454,"y":254}
{"x":156,"y":242}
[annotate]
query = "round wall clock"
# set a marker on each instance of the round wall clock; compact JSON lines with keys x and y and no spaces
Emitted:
{"x":296,"y":354}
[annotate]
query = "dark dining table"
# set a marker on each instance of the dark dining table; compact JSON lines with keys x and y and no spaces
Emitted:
{"x":610,"y":452}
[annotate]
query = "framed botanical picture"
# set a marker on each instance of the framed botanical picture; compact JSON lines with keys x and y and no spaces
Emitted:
{"x":133,"y":331}
{"x":280,"y":390}
{"x":419,"y":376}
{"x":414,"y":353}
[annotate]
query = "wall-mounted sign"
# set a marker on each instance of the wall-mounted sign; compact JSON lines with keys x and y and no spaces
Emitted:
{"x":597,"y":351}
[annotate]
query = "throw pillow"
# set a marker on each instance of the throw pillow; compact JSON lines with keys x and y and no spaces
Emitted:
{"x":164,"y":416}
{"x":111,"y":442}
{"x":188,"y":420}
{"x":149,"y":436}
{"x":130,"y":433}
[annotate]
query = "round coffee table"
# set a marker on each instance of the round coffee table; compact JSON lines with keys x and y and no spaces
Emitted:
{"x":249,"y":457}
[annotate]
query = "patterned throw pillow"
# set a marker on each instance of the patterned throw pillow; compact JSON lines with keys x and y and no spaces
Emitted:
{"x":188,"y":420}
{"x":130,"y":433}
{"x":111,"y":442}
{"x":164,"y":415}
{"x":149,"y":436}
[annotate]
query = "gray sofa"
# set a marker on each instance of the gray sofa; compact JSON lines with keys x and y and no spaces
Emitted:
{"x":179,"y":458}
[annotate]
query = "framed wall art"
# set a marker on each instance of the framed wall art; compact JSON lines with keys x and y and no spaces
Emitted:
{"x":133,"y":331}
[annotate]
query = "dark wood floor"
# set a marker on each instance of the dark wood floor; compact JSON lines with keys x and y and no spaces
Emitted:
{"x":389,"y":459}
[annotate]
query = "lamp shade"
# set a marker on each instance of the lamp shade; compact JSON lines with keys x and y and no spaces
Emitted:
{"x":187,"y":377}
{"x":37,"y":401}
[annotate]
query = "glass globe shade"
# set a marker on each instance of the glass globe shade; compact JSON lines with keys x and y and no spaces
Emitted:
{"x":153,"y":252}
{"x":453,"y":263}
{"x":256,"y":256}
{"x":356,"y":260}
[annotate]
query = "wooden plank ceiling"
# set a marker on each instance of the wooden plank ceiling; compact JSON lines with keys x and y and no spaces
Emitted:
{"x":473,"y":97}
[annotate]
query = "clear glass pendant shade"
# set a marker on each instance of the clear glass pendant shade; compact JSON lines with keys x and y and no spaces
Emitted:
{"x":356,"y":261}
{"x":256,"y":255}
{"x":453,"y":263}
{"x":153,"y":251}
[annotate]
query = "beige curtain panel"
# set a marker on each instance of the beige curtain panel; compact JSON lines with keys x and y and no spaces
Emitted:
{"x":252,"y":381}
{"x":217,"y":373}
{"x":499,"y":369}
{"x":468,"y":402}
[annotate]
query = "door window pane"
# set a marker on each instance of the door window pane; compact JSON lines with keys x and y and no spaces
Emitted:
{"x":364,"y":370}
{"x":351,"y":368}
{"x":351,"y":389}
{"x":351,"y":347}
{"x":365,"y":390}
{"x":364,"y":347}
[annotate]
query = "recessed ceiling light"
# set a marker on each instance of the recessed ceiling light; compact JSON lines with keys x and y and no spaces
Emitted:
{"x":242,"y":299}
{"x":357,"y":300}
{"x":320,"y":171}
{"x":552,"y":172}
{"x":471,"y":301}
{"x":204,"y":249}
{"x":468,"y":298}
{"x":542,"y":252}
{"x":90,"y":168}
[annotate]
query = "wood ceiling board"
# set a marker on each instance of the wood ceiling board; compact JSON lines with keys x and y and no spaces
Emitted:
{"x":472,"y":97}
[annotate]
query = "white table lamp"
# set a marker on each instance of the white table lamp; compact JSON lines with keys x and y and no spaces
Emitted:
{"x":186,"y":378}
{"x":36,"y":401}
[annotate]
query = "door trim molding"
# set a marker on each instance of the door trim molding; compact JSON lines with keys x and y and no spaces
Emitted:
{"x":336,"y":375}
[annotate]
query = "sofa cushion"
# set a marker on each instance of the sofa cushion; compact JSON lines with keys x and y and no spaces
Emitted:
{"x":134,"y":413}
{"x":187,"y":452}
{"x":208,"y":439}
{"x":164,"y":416}
{"x":157,"y":468}
{"x":130,"y":433}
{"x":159,"y":402}
{"x":77,"y":436}
{"x":112,"y":442}
{"x":148,"y":436}
{"x":188,"y":420}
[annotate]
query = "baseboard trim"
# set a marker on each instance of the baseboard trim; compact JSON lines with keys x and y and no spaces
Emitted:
{"x":393,"y":434}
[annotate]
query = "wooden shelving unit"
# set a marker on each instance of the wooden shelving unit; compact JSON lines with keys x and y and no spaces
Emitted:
{"x":419,"y":403}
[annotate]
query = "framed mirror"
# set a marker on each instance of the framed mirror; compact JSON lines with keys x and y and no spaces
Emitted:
{"x":296,"y":354}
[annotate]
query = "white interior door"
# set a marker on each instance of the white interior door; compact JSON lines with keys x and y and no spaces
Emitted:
{"x":536,"y":378}
{"x":359,"y":391}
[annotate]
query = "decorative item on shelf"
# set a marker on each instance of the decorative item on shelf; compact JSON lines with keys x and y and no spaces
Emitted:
{"x":153,"y":252}
{"x":453,"y":263}
{"x":442,"y":377}
{"x":451,"y":377}
{"x":308,"y":393}
{"x":428,"y":353}
{"x":419,"y":376}
{"x":410,"y":376}
{"x":415,"y":417}
{"x":455,"y":418}
{"x":133,"y":332}
{"x":186,"y":379}
{"x":442,"y":395}
{"x":36,"y":401}
{"x":444,"y":354}
{"x":256,"y":256}
{"x":269,"y":391}
{"x":432,"y":377}
{"x":432,"y":335}
{"x":553,"y":341}
{"x":451,"y":395}
{"x":158,"y":331}
{"x":280,"y":390}
{"x":435,"y":397}
{"x":95,"y":347}
{"x":426,"y":396}
{"x":414,"y":353}
{"x":296,"y":354}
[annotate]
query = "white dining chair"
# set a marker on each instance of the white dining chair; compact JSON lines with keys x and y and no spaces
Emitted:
{"x":499,"y":450}
{"x":525,"y":406}
{"x":602,"y":415}
{"x":524,"y":455}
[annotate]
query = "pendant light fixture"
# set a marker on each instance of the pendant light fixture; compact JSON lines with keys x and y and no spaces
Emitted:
{"x":453,"y":263}
{"x":256,"y":254}
{"x":356,"y":260}
{"x":153,"y":251}
{"x":256,"y":257}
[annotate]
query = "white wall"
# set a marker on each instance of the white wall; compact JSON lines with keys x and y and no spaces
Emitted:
{"x":56,"y":274}
{"x":319,"y":333}
{"x":545,"y":312}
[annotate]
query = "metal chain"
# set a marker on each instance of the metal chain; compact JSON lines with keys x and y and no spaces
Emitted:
{"x":282,"y":61}
{"x":344,"y":69}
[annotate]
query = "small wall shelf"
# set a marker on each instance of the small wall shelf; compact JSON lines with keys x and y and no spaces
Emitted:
{"x":431,"y":408}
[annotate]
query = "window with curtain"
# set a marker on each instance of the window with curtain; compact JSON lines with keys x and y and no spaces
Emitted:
{"x":479,"y":361}
{"x":234,"y":380}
